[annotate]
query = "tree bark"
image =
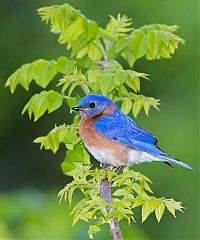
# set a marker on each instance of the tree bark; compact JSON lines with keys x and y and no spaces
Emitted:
{"x":105,"y":191}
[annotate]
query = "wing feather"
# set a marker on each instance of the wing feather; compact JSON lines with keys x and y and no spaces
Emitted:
{"x":119,"y":127}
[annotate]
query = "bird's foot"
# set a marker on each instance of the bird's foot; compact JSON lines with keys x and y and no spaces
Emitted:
{"x":106,"y":166}
{"x":119,"y":168}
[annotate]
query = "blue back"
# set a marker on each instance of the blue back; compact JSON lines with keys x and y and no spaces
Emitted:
{"x":119,"y":127}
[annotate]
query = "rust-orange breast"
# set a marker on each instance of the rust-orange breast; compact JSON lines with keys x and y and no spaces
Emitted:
{"x":111,"y":152}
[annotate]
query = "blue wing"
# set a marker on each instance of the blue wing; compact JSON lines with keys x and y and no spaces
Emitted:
{"x":119,"y":127}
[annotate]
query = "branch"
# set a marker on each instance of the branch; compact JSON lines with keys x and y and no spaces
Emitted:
{"x":105,"y":191}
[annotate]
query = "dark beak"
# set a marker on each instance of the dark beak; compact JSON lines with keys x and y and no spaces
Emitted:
{"x":76,"y":108}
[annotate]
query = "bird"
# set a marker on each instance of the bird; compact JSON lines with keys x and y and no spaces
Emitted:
{"x":113,"y":138}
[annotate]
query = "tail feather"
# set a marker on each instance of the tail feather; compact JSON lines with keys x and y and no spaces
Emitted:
{"x":169,"y":159}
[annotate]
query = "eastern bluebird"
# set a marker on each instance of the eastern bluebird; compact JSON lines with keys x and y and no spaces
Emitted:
{"x":114,"y":138}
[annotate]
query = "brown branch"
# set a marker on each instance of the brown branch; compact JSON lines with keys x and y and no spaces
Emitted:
{"x":105,"y":191}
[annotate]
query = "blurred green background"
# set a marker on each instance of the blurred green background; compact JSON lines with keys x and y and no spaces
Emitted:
{"x":30,"y":178}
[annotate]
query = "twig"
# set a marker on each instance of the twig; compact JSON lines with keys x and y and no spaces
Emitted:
{"x":105,"y":191}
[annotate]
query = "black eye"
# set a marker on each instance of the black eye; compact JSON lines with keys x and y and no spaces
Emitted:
{"x":92,"y":105}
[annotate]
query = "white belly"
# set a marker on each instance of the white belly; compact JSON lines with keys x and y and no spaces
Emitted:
{"x":99,"y":155}
{"x":108,"y":156}
{"x":102,"y":156}
{"x":137,"y":156}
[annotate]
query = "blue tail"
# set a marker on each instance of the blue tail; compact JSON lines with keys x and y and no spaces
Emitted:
{"x":170,"y":159}
{"x":159,"y":154}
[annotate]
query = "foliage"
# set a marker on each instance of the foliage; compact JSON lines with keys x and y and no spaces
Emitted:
{"x":130,"y":190}
{"x":94,"y":65}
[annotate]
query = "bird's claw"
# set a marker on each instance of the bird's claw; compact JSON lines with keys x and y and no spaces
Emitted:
{"x":119,"y":168}
{"x":106,"y":166}
{"x":109,"y":167}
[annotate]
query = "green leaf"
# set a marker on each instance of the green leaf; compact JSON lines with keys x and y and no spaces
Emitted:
{"x":139,"y":190}
{"x":37,"y":105}
{"x":93,"y":230}
{"x":41,"y":102}
{"x":64,"y":65}
{"x":159,"y":211}
{"x":138,"y":201}
{"x":84,"y":62}
{"x":126,"y":105}
{"x":92,"y":30}
{"x":154,"y":42}
{"x":62,"y":133}
{"x":74,"y":28}
{"x":119,"y":27}
{"x":146,"y":106}
{"x":70,"y":81}
{"x":128,"y":55}
{"x":93,"y":72}
{"x":72,"y":87}
{"x":86,"y":158}
{"x":137,"y":106}
{"x":13,"y":81}
{"x":82,"y":52}
{"x":150,"y":101}
{"x":172,"y":206}
{"x":53,"y":142}
{"x":109,"y":175}
{"x":67,"y":167}
{"x":138,"y":44}
{"x":120,"y":192}
{"x":147,"y":187}
{"x":49,"y":142}
{"x":54,"y":101}
{"x":121,"y":44}
{"x":106,"y":83}
{"x":133,"y":82}
{"x":73,"y":101}
{"x":25,"y":75}
{"x":78,"y":154}
{"x":154,"y":203}
{"x":94,"y":52}
{"x":44,"y":71}
{"x":70,"y":194}
{"x":111,"y":53}
{"x":146,"y":210}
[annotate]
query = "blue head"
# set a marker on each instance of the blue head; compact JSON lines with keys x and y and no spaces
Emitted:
{"x":93,"y":105}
